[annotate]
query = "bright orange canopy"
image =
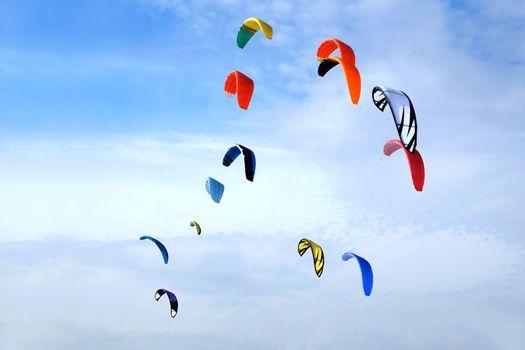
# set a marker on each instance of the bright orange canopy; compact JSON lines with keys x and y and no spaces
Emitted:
{"x":347,"y":62}
{"x":240,"y":84}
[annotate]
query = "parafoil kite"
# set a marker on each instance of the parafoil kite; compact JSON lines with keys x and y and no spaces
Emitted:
{"x":347,"y":62}
{"x":161,"y":247}
{"x":402,"y":111}
{"x":249,"y":159}
{"x":317,"y":253}
{"x":174,"y":304}
{"x":215,"y":189}
{"x":194,"y":223}
{"x":417,"y":167}
{"x":240,"y":84}
{"x":250,"y":27}
{"x":366,"y":271}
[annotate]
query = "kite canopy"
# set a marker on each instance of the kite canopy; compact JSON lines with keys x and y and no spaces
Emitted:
{"x":415,"y":161}
{"x":174,"y":304}
{"x":402,"y":111}
{"x":161,"y":247}
{"x":366,"y":271}
{"x":194,"y":223}
{"x":328,"y":46}
{"x":250,"y":27}
{"x":317,"y":254}
{"x":240,"y":84}
{"x":347,"y":62}
{"x":215,"y":189}
{"x":249,"y":159}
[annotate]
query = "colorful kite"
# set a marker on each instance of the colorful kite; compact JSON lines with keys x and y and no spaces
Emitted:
{"x":347,"y":62}
{"x":174,"y":304}
{"x":366,"y":271}
{"x":317,"y":254}
{"x":249,"y":159}
{"x":240,"y":84}
{"x":402,"y":111}
{"x":161,"y":247}
{"x":215,"y":189}
{"x":415,"y":161}
{"x":194,"y":223}
{"x":250,"y":27}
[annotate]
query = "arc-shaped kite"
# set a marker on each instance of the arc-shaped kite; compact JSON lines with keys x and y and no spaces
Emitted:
{"x":402,"y":111}
{"x":240,"y":84}
{"x":250,"y":27}
{"x":347,"y":62}
{"x":249,"y":159}
{"x":367,"y":275}
{"x":161,"y":247}
{"x":317,"y":254}
{"x":415,"y":161}
{"x":215,"y":189}
{"x":194,"y":223}
{"x":174,"y":304}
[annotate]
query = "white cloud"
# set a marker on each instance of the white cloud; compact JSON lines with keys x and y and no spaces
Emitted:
{"x":118,"y":189}
{"x":438,"y":292}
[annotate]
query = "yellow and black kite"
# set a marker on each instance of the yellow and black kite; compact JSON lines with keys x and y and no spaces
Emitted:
{"x":317,"y":253}
{"x":194,"y":223}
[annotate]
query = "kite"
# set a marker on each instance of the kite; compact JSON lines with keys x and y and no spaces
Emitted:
{"x":215,"y":189}
{"x":194,"y":223}
{"x":161,"y":247}
{"x":174,"y":304}
{"x":366,"y":271}
{"x":249,"y":159}
{"x":402,"y":111}
{"x":317,"y":253}
{"x":415,"y":161}
{"x":240,"y":84}
{"x":250,"y":27}
{"x":347,"y":62}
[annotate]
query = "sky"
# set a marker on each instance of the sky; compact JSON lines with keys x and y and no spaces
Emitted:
{"x":113,"y":114}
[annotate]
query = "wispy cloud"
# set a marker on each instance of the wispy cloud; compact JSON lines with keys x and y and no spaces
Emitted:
{"x":232,"y":288}
{"x":143,"y":186}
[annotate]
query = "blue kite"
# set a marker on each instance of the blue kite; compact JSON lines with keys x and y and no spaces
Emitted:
{"x":249,"y":159}
{"x":215,"y":189}
{"x":366,"y":271}
{"x":161,"y":247}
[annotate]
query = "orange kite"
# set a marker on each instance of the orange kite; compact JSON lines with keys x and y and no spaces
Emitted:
{"x":240,"y":84}
{"x":347,"y":62}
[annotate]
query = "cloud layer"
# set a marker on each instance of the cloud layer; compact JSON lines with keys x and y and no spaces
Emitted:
{"x":109,"y":137}
{"x":244,"y":291}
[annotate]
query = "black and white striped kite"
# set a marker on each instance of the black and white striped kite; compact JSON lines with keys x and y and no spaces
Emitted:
{"x":402,"y":111}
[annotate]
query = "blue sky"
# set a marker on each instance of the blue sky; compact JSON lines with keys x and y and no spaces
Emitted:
{"x":113,"y":114}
